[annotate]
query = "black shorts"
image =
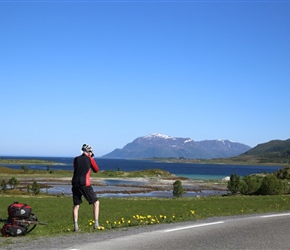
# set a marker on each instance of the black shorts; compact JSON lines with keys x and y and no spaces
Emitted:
{"x":86,"y":191}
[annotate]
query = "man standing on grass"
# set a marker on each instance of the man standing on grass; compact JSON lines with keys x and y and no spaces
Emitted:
{"x":81,"y":184}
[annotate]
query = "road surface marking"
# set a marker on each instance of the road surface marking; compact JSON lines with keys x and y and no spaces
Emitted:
{"x":193,"y":226}
{"x":274,"y":215}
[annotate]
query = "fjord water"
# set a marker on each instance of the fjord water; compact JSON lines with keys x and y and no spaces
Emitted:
{"x":189,"y":170}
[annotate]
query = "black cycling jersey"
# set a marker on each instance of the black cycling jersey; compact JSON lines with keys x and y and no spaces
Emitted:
{"x":83,"y":165}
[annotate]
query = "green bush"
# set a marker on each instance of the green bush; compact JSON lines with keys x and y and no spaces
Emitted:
{"x":35,"y":188}
{"x":283,"y":173}
{"x":271,"y":185}
{"x":234,"y":184}
{"x":3,"y":185}
{"x":177,"y":189}
{"x":25,"y":168}
{"x":250,"y":184}
{"x":13,"y":182}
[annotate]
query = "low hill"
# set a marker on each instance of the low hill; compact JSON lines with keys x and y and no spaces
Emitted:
{"x":272,"y":148}
{"x":275,"y":152}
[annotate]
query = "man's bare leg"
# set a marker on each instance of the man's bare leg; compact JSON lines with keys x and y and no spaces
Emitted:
{"x":75,"y":217}
{"x":96,"y":214}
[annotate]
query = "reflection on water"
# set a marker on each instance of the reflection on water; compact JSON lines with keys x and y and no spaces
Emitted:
{"x":130,"y":189}
{"x":112,"y":191}
{"x":110,"y":182}
{"x":166,"y":194}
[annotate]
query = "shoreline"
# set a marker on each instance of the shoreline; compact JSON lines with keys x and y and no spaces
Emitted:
{"x":139,"y":186}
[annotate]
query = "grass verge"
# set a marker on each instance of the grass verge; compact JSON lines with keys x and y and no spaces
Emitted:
{"x":127,"y":212}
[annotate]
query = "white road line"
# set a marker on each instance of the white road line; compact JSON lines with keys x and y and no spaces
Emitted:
{"x":193,"y":226}
{"x":274,"y":215}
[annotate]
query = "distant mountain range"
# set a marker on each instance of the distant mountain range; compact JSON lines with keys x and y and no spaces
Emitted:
{"x":163,"y":146}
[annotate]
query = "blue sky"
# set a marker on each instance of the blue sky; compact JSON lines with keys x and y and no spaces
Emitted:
{"x":107,"y":72}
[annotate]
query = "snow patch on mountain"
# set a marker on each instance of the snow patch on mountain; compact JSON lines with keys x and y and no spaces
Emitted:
{"x":224,"y":141}
{"x":158,"y":135}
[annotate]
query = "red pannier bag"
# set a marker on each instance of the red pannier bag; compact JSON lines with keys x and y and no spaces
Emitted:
{"x":13,"y":230}
{"x":19,"y":210}
{"x":17,"y":223}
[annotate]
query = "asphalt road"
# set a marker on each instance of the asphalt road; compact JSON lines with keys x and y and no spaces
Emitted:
{"x":255,"y":232}
{"x":263,"y":232}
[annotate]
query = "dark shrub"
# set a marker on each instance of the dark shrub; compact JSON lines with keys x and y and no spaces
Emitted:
{"x":271,"y":185}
